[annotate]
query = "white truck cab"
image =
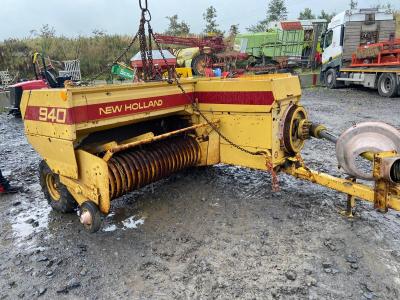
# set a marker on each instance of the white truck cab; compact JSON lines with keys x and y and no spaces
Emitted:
{"x":333,"y":39}
{"x":345,"y":33}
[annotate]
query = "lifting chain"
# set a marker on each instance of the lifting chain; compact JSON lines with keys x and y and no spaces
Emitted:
{"x":145,"y":6}
{"x":172,"y":72}
{"x":149,"y":74}
{"x":173,"y":77}
{"x":105,"y":68}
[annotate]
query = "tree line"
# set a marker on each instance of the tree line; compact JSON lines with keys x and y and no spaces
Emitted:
{"x":276,"y":11}
{"x":96,"y":50}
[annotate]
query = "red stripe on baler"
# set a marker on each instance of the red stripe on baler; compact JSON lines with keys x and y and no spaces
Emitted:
{"x":246,"y":98}
{"x":128,"y":107}
{"x":93,"y":112}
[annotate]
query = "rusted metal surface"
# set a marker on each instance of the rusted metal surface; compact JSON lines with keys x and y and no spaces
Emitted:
{"x":130,"y":170}
{"x":127,"y":146}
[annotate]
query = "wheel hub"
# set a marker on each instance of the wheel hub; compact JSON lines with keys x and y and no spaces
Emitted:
{"x":329,"y":78}
{"x":386,"y":85}
{"x":86,"y":218}
{"x":52,"y":187}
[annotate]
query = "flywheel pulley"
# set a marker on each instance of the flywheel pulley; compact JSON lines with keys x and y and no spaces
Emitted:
{"x":295,"y":129}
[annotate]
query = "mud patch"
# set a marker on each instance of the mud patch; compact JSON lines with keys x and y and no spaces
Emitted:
{"x":216,"y":232}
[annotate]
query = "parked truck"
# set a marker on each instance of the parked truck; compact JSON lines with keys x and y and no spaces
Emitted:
{"x":360,"y":48}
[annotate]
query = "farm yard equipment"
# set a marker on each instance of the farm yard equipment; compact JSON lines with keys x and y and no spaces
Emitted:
{"x":161,"y":62}
{"x":360,"y":49}
{"x":259,"y":52}
{"x":45,"y":77}
{"x":383,"y":54}
{"x":6,"y":79}
{"x":277,"y":48}
{"x":123,"y":72}
{"x":99,"y":143}
{"x":204,"y":51}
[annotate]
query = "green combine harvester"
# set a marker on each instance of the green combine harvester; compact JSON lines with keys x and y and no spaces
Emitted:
{"x":285,"y":43}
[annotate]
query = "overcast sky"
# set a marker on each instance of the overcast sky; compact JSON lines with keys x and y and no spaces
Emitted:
{"x":80,"y":17}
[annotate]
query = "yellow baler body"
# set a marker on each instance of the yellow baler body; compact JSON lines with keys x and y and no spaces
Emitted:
{"x":248,"y":111}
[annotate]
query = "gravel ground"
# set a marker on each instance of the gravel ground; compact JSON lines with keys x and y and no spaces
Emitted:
{"x":207,"y":233}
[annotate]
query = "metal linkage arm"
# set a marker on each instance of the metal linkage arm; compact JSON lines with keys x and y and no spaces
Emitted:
{"x":388,"y":192}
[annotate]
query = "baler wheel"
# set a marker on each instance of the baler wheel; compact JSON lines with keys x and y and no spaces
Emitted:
{"x":55,"y":192}
{"x":90,"y":216}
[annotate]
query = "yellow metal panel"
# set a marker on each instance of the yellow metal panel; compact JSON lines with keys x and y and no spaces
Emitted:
{"x":265,"y":76}
{"x":79,"y":191}
{"x":125,"y":92}
{"x":184,"y":72}
{"x":232,"y":156}
{"x":50,"y":105}
{"x":93,"y":173}
{"x":203,"y":153}
{"x":250,"y":130}
{"x":24,"y":102}
{"x":48,"y":98}
{"x":59,"y":154}
{"x":240,"y":108}
{"x":213,"y":149}
{"x":113,"y":88}
{"x":278,"y":155}
{"x":61,"y":131}
{"x":284,"y":88}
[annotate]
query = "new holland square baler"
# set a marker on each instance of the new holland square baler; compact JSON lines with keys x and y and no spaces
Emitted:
{"x":101,"y":142}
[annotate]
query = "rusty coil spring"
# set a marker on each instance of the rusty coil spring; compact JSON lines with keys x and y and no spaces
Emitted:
{"x":133,"y":169}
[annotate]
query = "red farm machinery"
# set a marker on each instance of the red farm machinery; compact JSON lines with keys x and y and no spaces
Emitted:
{"x":203,"y":52}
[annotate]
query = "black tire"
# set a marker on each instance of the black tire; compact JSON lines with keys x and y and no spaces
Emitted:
{"x":95,"y":214}
{"x":387,"y":85}
{"x":200,"y":62}
{"x":55,"y":192}
{"x":330,"y":79}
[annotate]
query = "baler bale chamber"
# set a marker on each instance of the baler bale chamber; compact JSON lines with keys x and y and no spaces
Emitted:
{"x":99,"y":143}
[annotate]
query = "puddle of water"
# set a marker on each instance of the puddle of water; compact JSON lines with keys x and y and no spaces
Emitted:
{"x":110,"y":228}
{"x":131,"y":223}
{"x":122,"y":219}
{"x":30,"y":220}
